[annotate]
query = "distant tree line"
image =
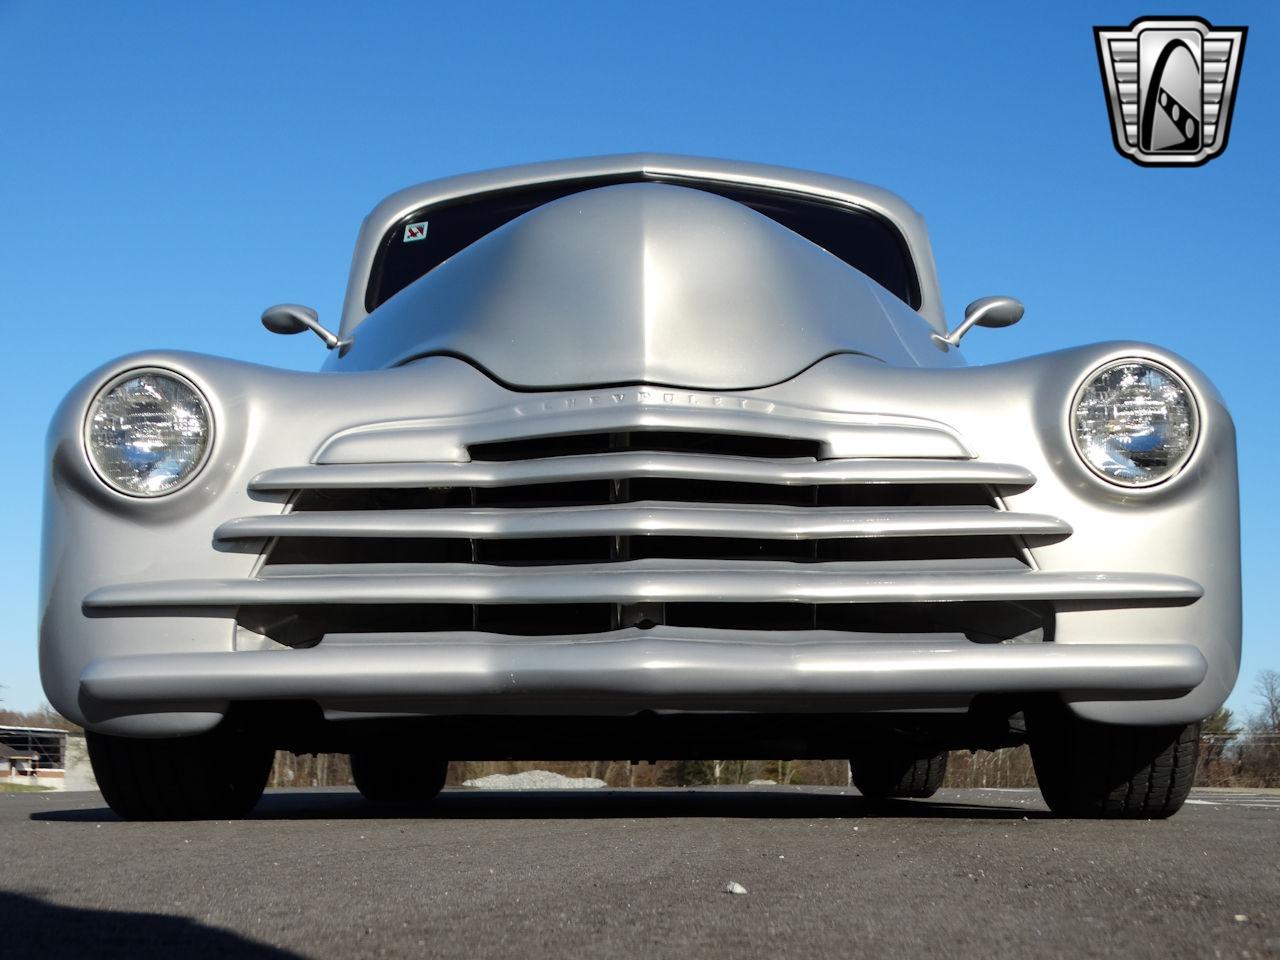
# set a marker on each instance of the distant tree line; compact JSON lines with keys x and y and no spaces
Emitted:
{"x":1244,"y":754}
{"x":43,"y":716}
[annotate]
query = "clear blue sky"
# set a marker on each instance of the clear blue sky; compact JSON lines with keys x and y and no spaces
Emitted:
{"x":169,"y":169}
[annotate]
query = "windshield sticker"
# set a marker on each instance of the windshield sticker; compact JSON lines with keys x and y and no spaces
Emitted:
{"x":415,"y":231}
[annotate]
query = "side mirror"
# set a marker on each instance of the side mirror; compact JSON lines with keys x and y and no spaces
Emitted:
{"x":290,"y":318}
{"x":986,"y":312}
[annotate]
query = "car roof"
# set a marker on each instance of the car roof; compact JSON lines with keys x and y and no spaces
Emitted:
{"x":656,"y":166}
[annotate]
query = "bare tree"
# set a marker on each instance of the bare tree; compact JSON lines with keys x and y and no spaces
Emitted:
{"x":1259,"y":756}
{"x":1267,"y":719}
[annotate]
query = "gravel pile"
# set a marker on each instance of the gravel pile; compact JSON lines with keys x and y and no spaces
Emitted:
{"x":533,"y":780}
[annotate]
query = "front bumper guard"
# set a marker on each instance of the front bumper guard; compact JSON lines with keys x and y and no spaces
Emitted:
{"x":655,"y":669}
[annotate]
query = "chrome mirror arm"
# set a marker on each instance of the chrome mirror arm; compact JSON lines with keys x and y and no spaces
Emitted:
{"x":290,"y":318}
{"x":985,"y":312}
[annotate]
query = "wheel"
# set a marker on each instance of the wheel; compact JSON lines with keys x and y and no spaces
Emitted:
{"x":882,"y":774}
{"x":215,"y":776}
{"x":390,"y":777}
{"x":1112,"y":772}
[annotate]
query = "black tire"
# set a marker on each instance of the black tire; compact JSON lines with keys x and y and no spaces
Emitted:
{"x":215,"y":776}
{"x":886,"y":774}
{"x":1109,"y":772}
{"x":391,"y":778}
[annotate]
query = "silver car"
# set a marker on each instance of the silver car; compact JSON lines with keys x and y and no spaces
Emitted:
{"x":642,"y":456}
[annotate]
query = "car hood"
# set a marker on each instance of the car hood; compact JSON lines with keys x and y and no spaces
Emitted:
{"x":643,"y":283}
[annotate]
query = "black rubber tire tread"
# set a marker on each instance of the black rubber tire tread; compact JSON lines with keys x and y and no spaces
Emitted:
{"x":214,"y":776}
{"x":1100,"y":771}
{"x":889,"y":774}
{"x":396,"y":777}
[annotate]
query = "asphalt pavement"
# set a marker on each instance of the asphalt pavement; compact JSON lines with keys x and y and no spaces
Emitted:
{"x":614,"y":873}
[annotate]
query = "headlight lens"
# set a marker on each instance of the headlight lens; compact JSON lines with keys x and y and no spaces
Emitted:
{"x":148,"y":433}
{"x":1134,"y":423}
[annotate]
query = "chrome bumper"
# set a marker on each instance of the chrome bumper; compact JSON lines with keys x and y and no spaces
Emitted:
{"x":631,"y":670}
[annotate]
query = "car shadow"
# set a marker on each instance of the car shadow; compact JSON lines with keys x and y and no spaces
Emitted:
{"x":34,"y":927}
{"x":600,"y":804}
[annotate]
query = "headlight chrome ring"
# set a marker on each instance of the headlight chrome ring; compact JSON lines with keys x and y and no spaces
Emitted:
{"x":1134,"y":422}
{"x":148,"y":432}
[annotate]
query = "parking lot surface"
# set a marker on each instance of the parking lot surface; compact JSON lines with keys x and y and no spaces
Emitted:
{"x":614,"y":873}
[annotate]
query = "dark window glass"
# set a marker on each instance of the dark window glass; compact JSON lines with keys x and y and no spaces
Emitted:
{"x":858,"y":237}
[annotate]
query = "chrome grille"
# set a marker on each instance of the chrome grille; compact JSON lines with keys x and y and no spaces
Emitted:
{"x":647,"y":528}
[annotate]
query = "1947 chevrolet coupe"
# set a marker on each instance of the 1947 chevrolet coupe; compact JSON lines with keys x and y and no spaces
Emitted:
{"x":642,"y":456}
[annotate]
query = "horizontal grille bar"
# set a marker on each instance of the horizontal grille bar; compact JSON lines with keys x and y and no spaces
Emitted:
{"x":632,"y":670}
{"x":660,"y":518}
{"x":634,"y":465}
{"x":639,"y":581}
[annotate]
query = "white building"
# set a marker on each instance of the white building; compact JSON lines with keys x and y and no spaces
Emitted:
{"x":44,"y":757}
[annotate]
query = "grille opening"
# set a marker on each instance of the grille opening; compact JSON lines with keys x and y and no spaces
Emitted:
{"x":742,"y":616}
{"x":306,"y":626}
{"x":987,"y":622}
{"x":664,"y":441}
{"x":866,"y":548}
{"x":718,"y":548}
{"x":717,"y":491}
{"x":357,"y":550}
{"x":588,"y":492}
{"x":820,"y":495}
{"x":555,"y":551}
{"x":368,"y":550}
{"x":579,"y":493}
{"x":920,"y":548}
{"x":981,"y":622}
{"x":412,"y":498}
{"x":543,"y":619}
{"x":538,"y":552}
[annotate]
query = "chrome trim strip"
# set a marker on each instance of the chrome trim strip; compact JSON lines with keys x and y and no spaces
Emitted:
{"x":761,"y":521}
{"x":632,"y":465}
{"x":637,"y":581}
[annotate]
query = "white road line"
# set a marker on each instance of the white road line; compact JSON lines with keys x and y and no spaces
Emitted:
{"x":1245,"y":801}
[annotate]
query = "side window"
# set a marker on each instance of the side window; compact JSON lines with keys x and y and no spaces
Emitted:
{"x":429,"y":237}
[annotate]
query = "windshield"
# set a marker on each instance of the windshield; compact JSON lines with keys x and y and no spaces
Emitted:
{"x":428,"y":237}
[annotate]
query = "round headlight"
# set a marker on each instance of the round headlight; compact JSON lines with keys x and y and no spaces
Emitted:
{"x":1134,"y":423}
{"x":148,"y":433}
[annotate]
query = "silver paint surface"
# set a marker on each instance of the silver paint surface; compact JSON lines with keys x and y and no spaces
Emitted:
{"x":643,"y":283}
{"x":658,"y":167}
